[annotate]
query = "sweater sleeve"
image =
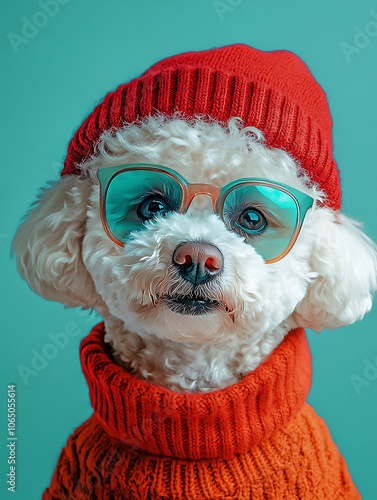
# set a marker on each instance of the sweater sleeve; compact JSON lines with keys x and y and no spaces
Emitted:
{"x":72,"y":481}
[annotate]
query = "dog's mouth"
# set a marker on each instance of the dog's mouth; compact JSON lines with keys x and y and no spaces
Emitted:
{"x":188,"y":304}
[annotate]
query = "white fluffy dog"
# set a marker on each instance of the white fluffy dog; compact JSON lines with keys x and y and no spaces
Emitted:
{"x":187,"y":335}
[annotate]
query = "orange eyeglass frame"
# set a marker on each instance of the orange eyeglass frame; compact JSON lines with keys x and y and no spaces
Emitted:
{"x":218,"y":195}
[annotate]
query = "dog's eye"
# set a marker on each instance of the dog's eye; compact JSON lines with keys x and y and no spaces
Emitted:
{"x":152,"y":206}
{"x":251,"y":221}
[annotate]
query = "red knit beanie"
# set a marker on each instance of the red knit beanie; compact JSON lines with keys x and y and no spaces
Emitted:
{"x":272,"y":91}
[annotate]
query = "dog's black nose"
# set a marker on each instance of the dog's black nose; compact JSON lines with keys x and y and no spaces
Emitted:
{"x":198,"y":262}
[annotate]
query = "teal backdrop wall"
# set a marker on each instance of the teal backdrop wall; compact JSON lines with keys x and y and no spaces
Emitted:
{"x":59,"y":59}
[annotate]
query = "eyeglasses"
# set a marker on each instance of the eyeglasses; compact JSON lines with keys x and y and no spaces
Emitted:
{"x":268,"y":215}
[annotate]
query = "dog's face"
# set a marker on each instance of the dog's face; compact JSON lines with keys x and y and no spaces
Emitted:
{"x":325,"y":281}
{"x":143,"y":284}
{"x":149,"y":283}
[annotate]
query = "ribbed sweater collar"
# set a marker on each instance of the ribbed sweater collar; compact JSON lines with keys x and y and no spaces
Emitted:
{"x":222,"y":423}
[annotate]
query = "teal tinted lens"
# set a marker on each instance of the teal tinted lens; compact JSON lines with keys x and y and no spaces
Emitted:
{"x":265,"y":216}
{"x":134,"y":196}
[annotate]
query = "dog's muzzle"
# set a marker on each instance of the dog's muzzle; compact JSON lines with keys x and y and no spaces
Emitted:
{"x":197,"y":263}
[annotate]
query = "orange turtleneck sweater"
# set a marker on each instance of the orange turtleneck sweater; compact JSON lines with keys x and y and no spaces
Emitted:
{"x":257,"y":439}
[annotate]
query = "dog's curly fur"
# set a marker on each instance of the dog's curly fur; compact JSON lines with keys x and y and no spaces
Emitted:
{"x":326,"y":281}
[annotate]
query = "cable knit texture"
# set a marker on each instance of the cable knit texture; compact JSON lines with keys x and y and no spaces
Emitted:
{"x":257,"y":439}
{"x":273,"y":91}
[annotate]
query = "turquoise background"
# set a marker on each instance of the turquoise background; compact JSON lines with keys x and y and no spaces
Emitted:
{"x":86,"y":49}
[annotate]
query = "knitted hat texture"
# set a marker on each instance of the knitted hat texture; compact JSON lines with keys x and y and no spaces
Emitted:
{"x":273,"y":91}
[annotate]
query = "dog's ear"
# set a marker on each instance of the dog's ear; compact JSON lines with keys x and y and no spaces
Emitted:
{"x":345,"y":262}
{"x":48,"y":244}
